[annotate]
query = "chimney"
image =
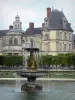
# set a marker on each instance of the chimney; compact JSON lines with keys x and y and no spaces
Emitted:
{"x":10,"y":27}
{"x":48,"y":12}
{"x":31,"y":27}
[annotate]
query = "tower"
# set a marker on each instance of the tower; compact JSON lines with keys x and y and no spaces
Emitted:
{"x":17,"y":24}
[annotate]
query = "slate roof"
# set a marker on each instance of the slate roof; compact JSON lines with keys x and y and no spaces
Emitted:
{"x":3,"y":32}
{"x":35,"y":31}
{"x":56,"y":18}
{"x":15,"y":30}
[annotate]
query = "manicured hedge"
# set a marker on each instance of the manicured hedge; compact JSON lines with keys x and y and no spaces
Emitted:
{"x":11,"y":60}
{"x":62,"y":60}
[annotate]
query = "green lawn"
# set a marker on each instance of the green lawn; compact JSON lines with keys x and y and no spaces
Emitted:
{"x":6,"y":75}
{"x":61,"y":74}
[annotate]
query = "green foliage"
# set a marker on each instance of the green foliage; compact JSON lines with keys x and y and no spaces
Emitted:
{"x":62,"y":60}
{"x":11,"y":60}
{"x":46,"y":60}
{"x":67,"y":59}
{"x":73,"y":60}
{"x":1,"y":60}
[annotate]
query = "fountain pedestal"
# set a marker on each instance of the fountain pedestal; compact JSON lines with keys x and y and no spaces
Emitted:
{"x":31,"y":73}
{"x":31,"y":86}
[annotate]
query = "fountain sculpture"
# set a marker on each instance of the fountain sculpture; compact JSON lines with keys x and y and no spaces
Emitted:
{"x":31,"y":71}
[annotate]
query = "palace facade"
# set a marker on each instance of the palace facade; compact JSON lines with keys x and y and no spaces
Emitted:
{"x":53,"y":37}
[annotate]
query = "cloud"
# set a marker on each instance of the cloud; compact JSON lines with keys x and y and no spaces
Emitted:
{"x":32,"y":11}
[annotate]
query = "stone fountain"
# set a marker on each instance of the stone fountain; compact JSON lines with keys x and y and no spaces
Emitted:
{"x":31,"y":71}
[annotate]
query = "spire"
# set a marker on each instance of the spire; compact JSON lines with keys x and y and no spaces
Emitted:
{"x":17,"y":18}
{"x":17,"y":24}
{"x":52,"y":8}
{"x":17,"y":13}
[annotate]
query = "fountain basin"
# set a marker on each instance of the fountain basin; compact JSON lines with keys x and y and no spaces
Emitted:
{"x":31,"y":76}
{"x":32,"y":73}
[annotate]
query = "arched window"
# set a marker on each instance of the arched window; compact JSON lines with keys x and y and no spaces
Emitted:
{"x":46,"y":21}
{"x":10,"y":41}
{"x":18,"y":26}
{"x":46,"y":36}
{"x":31,"y":43}
{"x":69,"y":36}
{"x":65,"y":36}
{"x":15,"y":41}
{"x":60,"y":46}
{"x":46,"y":47}
{"x":15,"y":26}
{"x":69,"y":47}
{"x":65,"y":47}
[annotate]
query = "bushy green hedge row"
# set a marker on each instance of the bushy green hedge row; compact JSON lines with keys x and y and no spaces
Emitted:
{"x":45,"y":60}
{"x":10,"y":60}
{"x":67,"y":59}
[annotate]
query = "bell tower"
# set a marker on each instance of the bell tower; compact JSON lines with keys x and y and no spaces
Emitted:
{"x":17,"y":24}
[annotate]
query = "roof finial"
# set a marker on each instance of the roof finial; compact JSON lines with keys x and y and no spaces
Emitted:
{"x":52,"y":8}
{"x":17,"y":13}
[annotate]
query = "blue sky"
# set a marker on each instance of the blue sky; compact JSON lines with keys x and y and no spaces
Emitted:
{"x":33,"y":11}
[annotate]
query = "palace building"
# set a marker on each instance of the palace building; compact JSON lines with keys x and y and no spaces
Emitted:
{"x":53,"y":37}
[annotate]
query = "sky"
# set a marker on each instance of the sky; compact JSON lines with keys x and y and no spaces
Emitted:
{"x":33,"y":11}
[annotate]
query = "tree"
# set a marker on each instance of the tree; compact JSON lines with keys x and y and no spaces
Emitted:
{"x":46,"y":60}
{"x":55,"y":60}
{"x":62,"y":60}
{"x":69,"y":60}
{"x":73,"y":60}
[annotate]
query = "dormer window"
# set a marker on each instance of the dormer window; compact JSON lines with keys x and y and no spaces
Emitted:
{"x":46,"y":21}
{"x":64,"y":21}
{"x":46,"y":37}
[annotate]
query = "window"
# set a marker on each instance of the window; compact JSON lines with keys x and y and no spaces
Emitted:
{"x":18,"y":25}
{"x":46,"y":24}
{"x":65,"y":36}
{"x":2,"y":42}
{"x":69,"y":47}
{"x":46,"y":21}
{"x":46,"y":36}
{"x":69,"y":36}
{"x":31,"y":43}
{"x":15,"y":26}
{"x":46,"y":47}
{"x":10,"y":41}
{"x":15,"y":41}
{"x":60,"y":35}
{"x":64,"y":23}
{"x":64,"y":47}
{"x":57,"y":33}
{"x":26,"y":39}
{"x":60,"y":46}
